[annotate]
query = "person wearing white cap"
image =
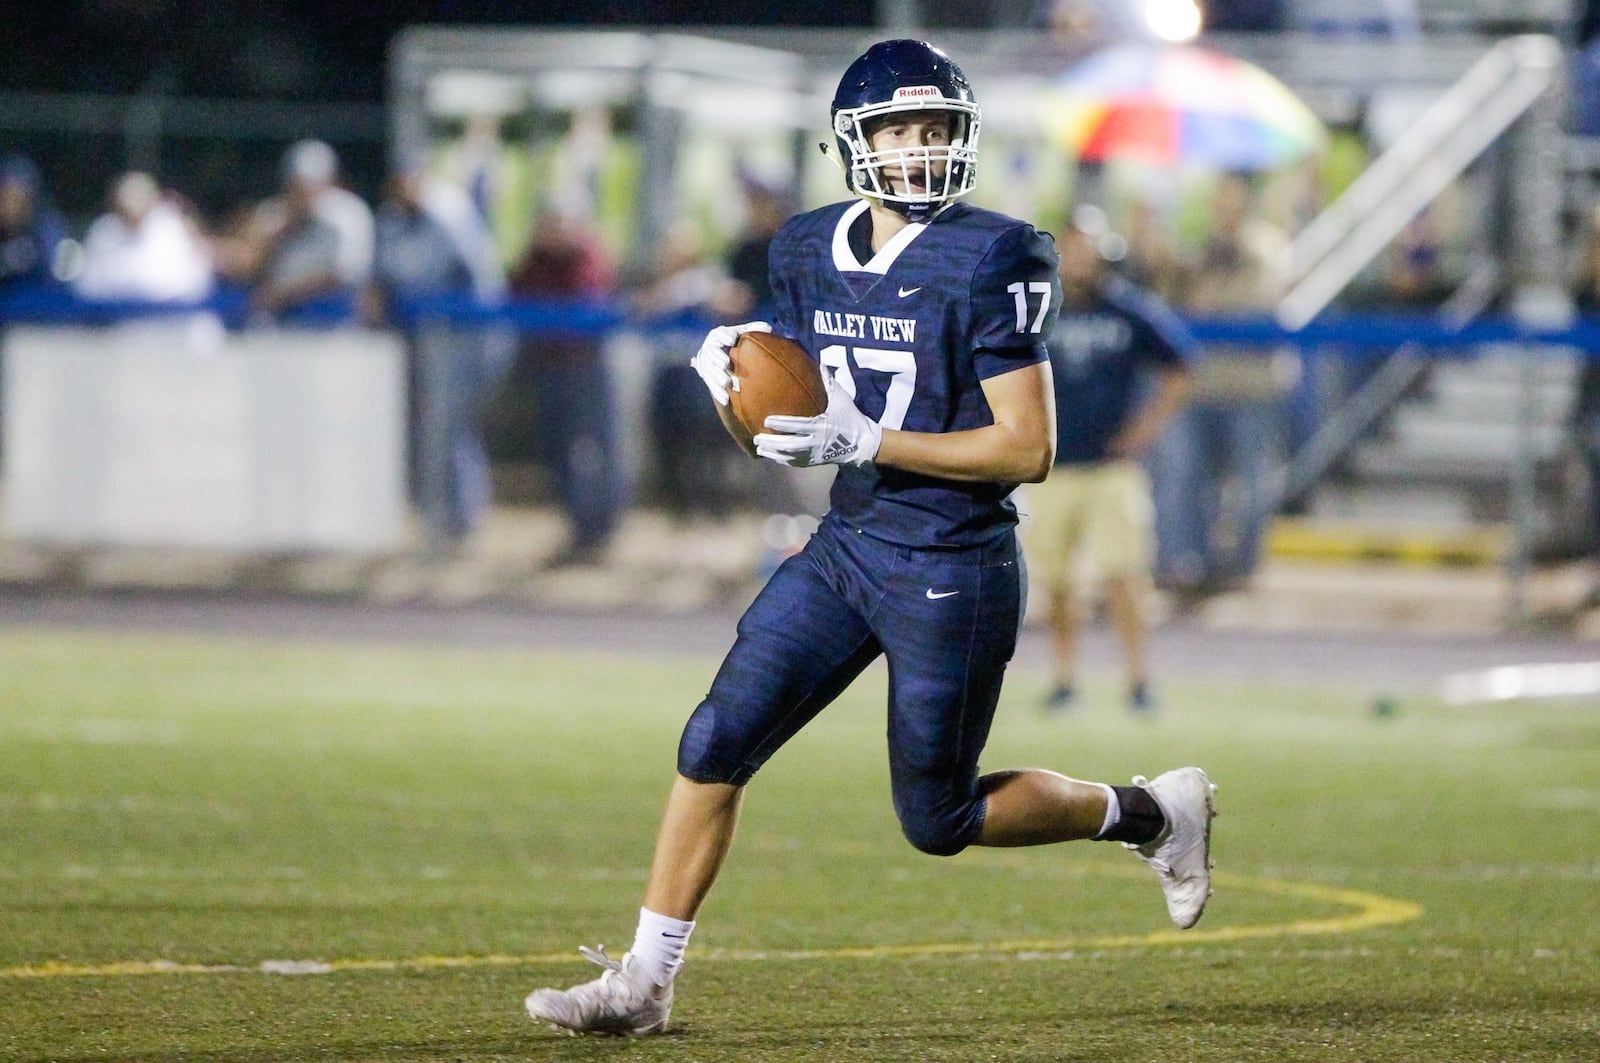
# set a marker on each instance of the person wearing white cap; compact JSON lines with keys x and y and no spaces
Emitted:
{"x":308,"y":247}
{"x":314,"y":168}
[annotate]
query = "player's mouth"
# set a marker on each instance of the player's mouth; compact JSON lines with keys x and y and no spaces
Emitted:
{"x":911,"y":182}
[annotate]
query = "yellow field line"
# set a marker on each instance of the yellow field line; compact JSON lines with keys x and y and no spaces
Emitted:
{"x":1371,"y":910}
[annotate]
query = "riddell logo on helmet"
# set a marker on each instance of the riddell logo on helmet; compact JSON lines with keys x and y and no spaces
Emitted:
{"x":918,"y":92}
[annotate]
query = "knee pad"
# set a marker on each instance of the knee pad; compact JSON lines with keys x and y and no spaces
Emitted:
{"x":939,"y":827}
{"x":707,"y":755}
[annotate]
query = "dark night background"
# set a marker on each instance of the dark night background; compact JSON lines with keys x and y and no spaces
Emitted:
{"x":305,"y":49}
{"x":320,"y":52}
{"x":295,"y":51}
{"x":316,"y":49}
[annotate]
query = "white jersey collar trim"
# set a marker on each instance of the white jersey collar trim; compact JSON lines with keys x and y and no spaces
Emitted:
{"x":845,"y":260}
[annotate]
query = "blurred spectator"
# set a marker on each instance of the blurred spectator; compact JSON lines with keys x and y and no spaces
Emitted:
{"x":1410,"y":276}
{"x":432,"y":254}
{"x":1213,"y":466}
{"x":310,"y":168}
{"x":311,"y":245}
{"x":145,"y":248}
{"x":1413,"y":271}
{"x":148,"y":248}
{"x":1583,"y":70}
{"x":1585,"y":416}
{"x":32,"y":234}
{"x":476,"y":162}
{"x":300,"y":266}
{"x":1586,"y":434}
{"x":767,"y":206}
{"x":567,"y":374}
{"x":746,"y":295}
{"x":1120,"y":361}
{"x":691,"y":448}
{"x":1152,"y":260}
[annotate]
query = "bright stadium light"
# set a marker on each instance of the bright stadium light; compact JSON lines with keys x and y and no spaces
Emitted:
{"x":1173,"y":20}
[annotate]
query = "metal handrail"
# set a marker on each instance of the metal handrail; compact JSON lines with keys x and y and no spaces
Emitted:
{"x":1325,"y":256}
{"x":1348,"y":425}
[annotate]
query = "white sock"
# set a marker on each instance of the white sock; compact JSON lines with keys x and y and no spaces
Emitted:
{"x":1113,"y":810}
{"x":658,"y":945}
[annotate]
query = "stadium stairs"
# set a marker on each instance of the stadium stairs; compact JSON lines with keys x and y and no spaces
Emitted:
{"x":1441,"y":464}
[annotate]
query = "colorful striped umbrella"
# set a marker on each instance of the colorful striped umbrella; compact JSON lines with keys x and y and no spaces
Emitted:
{"x":1176,"y":104}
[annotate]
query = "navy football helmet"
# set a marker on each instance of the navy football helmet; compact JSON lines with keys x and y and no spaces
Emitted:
{"x":894,"y":77}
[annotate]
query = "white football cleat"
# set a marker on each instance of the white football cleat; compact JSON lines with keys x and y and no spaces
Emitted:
{"x":1181,"y":853}
{"x":623,"y":1000}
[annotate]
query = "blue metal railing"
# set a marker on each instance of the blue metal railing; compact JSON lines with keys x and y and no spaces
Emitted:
{"x":60,"y":306}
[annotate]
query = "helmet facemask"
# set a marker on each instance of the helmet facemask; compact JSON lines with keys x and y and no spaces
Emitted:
{"x":946,"y":171}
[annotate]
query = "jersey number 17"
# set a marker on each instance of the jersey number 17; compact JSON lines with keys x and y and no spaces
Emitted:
{"x":1020,"y":292}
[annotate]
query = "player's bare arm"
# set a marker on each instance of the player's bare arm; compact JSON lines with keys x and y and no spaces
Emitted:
{"x":1018,"y":448}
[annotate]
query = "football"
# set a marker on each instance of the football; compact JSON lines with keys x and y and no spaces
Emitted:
{"x":775,"y":376}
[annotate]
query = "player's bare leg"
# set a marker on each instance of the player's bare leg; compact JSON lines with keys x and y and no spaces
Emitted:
{"x":634,"y":995}
{"x":696,"y":833}
{"x":1032,"y":806}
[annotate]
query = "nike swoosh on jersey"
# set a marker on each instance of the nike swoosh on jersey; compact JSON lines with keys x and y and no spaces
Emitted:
{"x":935,"y":596}
{"x":910,"y":291}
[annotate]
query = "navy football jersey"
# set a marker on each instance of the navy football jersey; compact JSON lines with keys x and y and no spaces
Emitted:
{"x":1099,"y":354}
{"x":911,"y":334}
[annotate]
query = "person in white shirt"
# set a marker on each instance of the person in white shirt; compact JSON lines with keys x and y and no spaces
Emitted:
{"x":144,"y":249}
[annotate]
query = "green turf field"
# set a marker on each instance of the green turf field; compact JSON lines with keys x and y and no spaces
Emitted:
{"x":182,"y":819}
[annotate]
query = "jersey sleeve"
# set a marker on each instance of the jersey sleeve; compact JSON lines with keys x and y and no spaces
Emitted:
{"x":1016,"y":295}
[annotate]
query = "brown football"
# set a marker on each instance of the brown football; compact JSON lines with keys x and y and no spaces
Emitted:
{"x":774,"y":375}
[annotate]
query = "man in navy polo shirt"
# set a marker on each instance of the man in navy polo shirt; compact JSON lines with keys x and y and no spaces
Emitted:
{"x":1121,"y":366}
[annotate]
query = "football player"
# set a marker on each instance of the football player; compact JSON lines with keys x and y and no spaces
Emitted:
{"x":929,"y":318}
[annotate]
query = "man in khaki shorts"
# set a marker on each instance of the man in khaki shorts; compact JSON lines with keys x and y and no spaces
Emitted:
{"x":1122,"y":364}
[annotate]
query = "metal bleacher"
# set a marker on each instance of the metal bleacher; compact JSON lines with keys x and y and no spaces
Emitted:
{"x":1445,"y":457}
{"x":1439,"y":443}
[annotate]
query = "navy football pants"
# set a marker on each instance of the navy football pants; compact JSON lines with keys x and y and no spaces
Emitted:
{"x":946,"y":620}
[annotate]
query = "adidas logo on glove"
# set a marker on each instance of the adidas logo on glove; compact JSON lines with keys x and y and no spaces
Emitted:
{"x":838,"y":451}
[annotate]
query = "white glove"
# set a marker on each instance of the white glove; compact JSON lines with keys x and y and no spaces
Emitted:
{"x":842,"y":435}
{"x":711,"y":360}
